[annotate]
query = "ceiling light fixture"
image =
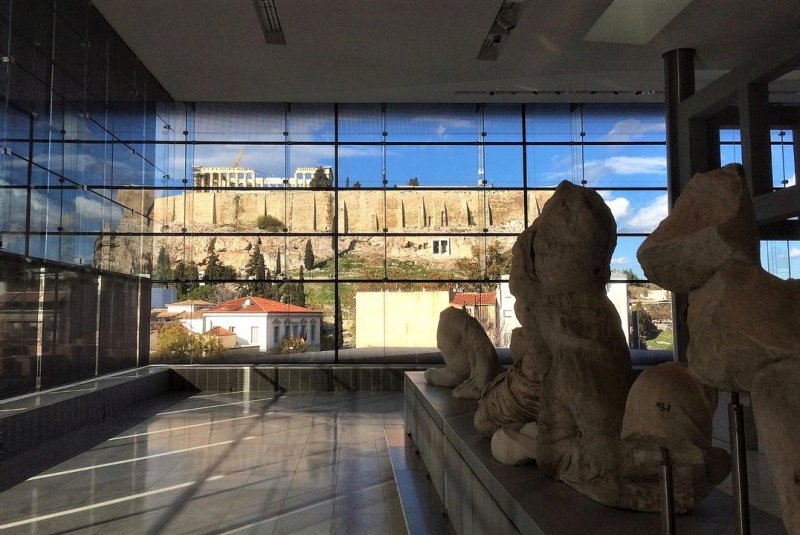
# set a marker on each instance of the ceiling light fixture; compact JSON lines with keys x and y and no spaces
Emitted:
{"x":505,"y":21}
{"x":270,"y":23}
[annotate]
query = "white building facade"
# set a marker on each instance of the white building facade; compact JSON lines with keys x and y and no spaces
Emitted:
{"x":265,"y":323}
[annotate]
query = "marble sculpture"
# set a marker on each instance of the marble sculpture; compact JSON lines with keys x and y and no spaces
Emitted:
{"x":572,"y":374}
{"x":471,"y":361}
{"x":744,"y":324}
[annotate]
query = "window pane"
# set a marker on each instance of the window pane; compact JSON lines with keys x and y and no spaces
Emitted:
{"x":432,"y":122}
{"x":438,"y":165}
{"x":624,"y":124}
{"x":636,"y":211}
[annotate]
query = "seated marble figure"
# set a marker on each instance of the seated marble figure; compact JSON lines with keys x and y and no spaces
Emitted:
{"x":570,"y":383}
{"x":470,"y":358}
{"x":744,"y":325}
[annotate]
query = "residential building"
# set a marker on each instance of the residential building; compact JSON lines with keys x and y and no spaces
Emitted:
{"x":261,"y":322}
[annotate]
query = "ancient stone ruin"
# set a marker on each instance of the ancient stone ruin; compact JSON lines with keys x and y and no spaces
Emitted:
{"x":469,"y":356}
{"x":744,"y":326}
{"x":572,"y":373}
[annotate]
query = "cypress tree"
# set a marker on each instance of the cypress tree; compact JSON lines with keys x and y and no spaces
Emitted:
{"x":308,"y":259}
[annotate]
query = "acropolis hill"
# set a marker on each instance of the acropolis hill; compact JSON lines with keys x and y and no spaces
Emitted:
{"x":360,"y":211}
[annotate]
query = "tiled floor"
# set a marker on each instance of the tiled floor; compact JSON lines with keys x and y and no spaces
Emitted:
{"x":230,"y":463}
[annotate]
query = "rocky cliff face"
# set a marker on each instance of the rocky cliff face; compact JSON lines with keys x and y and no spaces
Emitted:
{"x":225,"y":213}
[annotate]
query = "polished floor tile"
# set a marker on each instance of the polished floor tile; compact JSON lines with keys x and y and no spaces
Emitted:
{"x":222,"y":463}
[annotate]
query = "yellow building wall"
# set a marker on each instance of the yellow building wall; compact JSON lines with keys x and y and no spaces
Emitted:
{"x":398,"y":319}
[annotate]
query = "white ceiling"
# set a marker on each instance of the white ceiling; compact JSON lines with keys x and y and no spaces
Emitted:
{"x":424,"y":50}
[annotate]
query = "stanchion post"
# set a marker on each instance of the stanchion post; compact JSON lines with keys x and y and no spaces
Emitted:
{"x":739,"y":468}
{"x":667,"y":495}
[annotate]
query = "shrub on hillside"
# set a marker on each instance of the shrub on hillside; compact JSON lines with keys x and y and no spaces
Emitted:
{"x":269,"y":223}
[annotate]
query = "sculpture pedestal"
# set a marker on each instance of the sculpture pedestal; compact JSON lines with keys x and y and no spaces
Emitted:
{"x":483,"y":496}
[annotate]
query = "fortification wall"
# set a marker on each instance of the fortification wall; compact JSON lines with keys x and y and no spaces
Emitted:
{"x":359,"y":210}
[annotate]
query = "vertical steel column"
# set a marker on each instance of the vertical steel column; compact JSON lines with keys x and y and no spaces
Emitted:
{"x":739,"y":468}
{"x":679,"y":85}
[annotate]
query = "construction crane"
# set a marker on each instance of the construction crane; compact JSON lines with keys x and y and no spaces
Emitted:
{"x":238,"y":158}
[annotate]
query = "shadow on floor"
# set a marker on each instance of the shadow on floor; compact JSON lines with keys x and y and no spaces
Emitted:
{"x":18,"y":468}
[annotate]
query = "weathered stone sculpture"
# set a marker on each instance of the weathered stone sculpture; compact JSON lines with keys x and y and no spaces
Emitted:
{"x":576,"y":347}
{"x":470,"y":359}
{"x":668,"y":408}
{"x":572,"y":373}
{"x":744,"y":324}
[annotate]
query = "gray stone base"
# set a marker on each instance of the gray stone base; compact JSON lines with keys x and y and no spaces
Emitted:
{"x":482,"y":496}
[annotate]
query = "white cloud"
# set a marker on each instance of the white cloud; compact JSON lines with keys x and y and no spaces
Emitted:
{"x":90,"y":208}
{"x":620,"y":261}
{"x":637,"y":165}
{"x":646,"y":218}
{"x":595,"y":170}
{"x":794,"y":252}
{"x":633,"y":129}
{"x":619,"y":206}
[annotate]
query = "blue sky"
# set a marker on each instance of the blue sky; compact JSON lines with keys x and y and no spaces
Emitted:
{"x":603,"y":165}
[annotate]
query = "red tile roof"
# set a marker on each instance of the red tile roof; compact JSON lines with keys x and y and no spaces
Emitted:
{"x":219,"y":331}
{"x":257,"y":305}
{"x":473,"y":298}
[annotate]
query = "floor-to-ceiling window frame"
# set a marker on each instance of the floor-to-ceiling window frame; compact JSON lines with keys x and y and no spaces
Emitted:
{"x":416,"y":205}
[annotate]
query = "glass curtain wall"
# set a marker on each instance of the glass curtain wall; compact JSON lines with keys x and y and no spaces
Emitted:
{"x":78,"y":162}
{"x":781,"y":258}
{"x":338,"y":232}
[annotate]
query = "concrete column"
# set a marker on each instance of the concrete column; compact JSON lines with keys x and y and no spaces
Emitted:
{"x":679,"y":85}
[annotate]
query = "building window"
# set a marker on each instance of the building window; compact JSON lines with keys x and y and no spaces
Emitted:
{"x":313,"y":332}
{"x":276,"y":333}
{"x":253,"y":335}
{"x":287,"y":330}
{"x":440,"y":246}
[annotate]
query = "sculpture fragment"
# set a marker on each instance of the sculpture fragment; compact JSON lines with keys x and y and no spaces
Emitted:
{"x":744,"y":327}
{"x":471,"y":361}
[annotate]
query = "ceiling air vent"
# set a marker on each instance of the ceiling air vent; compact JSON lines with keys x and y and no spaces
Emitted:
{"x":504,"y":22}
{"x":270,"y":23}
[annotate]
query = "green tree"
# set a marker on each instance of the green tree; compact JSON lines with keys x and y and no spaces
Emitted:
{"x":347,"y":182}
{"x":413,"y":181}
{"x":216,"y":270}
{"x":497,"y":262}
{"x":320,"y":179}
{"x":270,"y":289}
{"x":356,"y":185}
{"x":299,"y":297}
{"x":256,"y":273}
{"x":278,"y":269}
{"x":174,"y":343}
{"x":162,"y":270}
{"x":269,"y":223}
{"x":308,"y":258}
{"x":647,"y":328}
{"x":339,"y":325}
{"x":201,"y":293}
{"x":147,"y":263}
{"x":186,"y":278}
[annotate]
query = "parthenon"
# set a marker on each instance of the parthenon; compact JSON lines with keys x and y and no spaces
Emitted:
{"x":240,"y":177}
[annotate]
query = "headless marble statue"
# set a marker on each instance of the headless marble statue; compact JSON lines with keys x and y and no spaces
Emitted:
{"x":470,"y":359}
{"x":743,"y":322}
{"x":572,"y":374}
